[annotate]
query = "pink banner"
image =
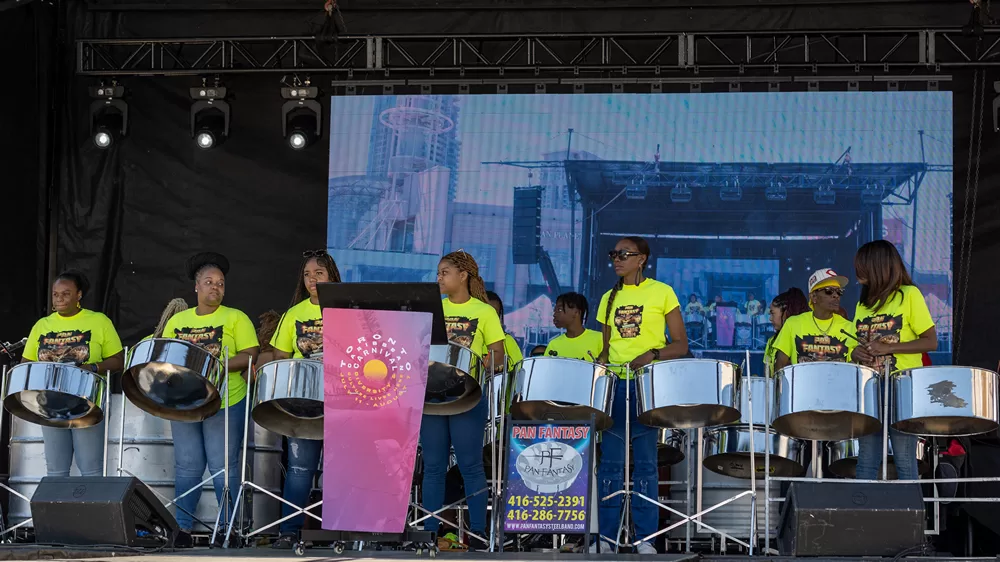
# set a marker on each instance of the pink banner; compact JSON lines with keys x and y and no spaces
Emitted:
{"x":375,"y":367}
{"x":725,"y":324}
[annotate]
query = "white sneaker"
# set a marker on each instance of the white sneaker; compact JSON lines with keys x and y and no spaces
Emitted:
{"x":645,"y":547}
{"x":606,"y":547}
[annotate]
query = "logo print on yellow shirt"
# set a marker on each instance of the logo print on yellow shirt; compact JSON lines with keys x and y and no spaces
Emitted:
{"x":883,"y":328}
{"x":461,"y":330}
{"x":820,"y":348}
{"x":72,"y":346}
{"x":628,"y":320}
{"x":309,"y":337}
{"x":208,"y":338}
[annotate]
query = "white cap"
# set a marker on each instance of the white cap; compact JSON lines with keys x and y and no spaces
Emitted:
{"x":826,"y":278}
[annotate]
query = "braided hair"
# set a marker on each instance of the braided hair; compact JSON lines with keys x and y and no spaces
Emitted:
{"x":269,"y":322}
{"x":791,"y":303}
{"x":325,"y":261}
{"x":643,"y":247}
{"x":465,"y":262}
{"x":172,"y":308}
{"x":493,"y":297}
{"x":575,"y":301}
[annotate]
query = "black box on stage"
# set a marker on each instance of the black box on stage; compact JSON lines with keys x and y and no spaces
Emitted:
{"x":846,"y":519}
{"x":100,"y":510}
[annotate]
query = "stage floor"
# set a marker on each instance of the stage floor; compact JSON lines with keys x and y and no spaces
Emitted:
{"x":250,"y":554}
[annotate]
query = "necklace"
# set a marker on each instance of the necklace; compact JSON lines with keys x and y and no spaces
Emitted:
{"x":825,"y":332}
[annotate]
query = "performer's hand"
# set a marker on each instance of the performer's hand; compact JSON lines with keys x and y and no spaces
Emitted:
{"x":862,"y":355}
{"x":602,"y":359}
{"x":641,"y":361}
{"x":878,"y":348}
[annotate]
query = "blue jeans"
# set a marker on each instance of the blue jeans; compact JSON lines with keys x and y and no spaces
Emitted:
{"x":303,"y":460}
{"x":464,"y":432}
{"x":904,"y":455}
{"x":61,"y":445}
{"x":611,"y":471}
{"x":199,"y":444}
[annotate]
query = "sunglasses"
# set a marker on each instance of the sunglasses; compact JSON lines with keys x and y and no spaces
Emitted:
{"x":621,"y":255}
{"x":314,"y":253}
{"x":830,"y":291}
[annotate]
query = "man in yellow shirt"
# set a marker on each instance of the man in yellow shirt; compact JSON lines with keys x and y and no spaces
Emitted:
{"x":578,"y":342}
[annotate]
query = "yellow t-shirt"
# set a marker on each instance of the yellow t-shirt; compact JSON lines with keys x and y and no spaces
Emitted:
{"x":224,"y":328}
{"x":770,"y":353}
{"x":85,"y":338}
{"x":806,"y":339}
{"x":638,"y":320}
{"x":473,"y":324}
{"x":300,"y":331}
{"x":513,"y":352}
{"x":587,"y":346}
{"x":902,"y":319}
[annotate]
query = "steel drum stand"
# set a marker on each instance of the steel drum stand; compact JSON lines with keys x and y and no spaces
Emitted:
{"x":686,"y":519}
{"x":249,"y":484}
{"x":167,"y":502}
{"x":496,"y":453}
{"x":4,"y":530}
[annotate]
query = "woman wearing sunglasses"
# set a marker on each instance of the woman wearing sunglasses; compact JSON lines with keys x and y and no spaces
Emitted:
{"x":894,"y":327}
{"x":817,"y":335}
{"x":637,"y":313}
{"x":300,"y":336}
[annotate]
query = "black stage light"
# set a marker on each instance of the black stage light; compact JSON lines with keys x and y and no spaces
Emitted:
{"x":301,"y":115}
{"x":209,"y":116}
{"x":108,"y":115}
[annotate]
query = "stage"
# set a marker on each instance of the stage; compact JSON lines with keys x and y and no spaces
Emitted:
{"x":242,"y":555}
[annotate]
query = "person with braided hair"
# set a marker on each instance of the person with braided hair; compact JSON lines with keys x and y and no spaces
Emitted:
{"x":514,"y":355}
{"x":790,"y":303}
{"x":299,"y":335}
{"x":637,"y":313}
{"x":474,"y":324}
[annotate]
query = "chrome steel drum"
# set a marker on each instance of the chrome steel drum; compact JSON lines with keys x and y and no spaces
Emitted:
{"x":827,"y":401}
{"x":55,"y":395}
{"x":454,"y":379}
{"x":843,"y":459}
{"x":173,"y":379}
{"x":290,"y":398}
{"x":762,"y":388}
{"x":688,"y":393}
{"x":727,"y":452}
{"x":944,"y":401}
{"x":670,"y":446}
{"x":563,"y":388}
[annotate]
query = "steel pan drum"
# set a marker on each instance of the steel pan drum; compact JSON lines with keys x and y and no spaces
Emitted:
{"x":759,"y":387}
{"x":843,"y":459}
{"x":688,"y":393}
{"x":290,"y":398}
{"x":173,"y":379}
{"x":454,"y":378}
{"x":944,"y":401}
{"x":563,"y":388}
{"x":727,"y":452}
{"x":670,"y":446}
{"x":55,"y":395}
{"x":827,"y":401}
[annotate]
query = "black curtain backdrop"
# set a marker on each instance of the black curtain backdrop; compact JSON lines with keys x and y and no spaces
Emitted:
{"x":130,"y":216}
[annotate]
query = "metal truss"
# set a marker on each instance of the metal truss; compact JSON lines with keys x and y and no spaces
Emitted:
{"x":567,"y":58}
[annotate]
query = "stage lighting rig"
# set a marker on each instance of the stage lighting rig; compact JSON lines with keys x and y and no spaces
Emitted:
{"x":825,"y":195}
{"x":209,"y":115}
{"x":776,"y":192}
{"x":731,"y":193}
{"x":108,"y":114}
{"x":681,"y":194}
{"x":301,"y":115}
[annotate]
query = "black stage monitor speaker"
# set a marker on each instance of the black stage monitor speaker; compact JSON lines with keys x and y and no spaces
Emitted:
{"x":96,"y":510}
{"x":846,"y":519}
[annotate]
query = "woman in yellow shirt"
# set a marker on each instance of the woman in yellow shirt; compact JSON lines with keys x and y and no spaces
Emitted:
{"x":577,"y":342}
{"x":300,"y":335}
{"x":790,"y":303}
{"x":894,"y":327}
{"x":514,"y":355}
{"x":214,"y":328}
{"x":87,"y":339}
{"x":637,"y":313}
{"x":472,"y":323}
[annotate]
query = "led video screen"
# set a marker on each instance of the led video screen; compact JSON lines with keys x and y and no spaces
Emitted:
{"x":737,"y":193}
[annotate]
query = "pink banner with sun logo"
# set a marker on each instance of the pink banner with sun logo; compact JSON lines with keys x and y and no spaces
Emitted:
{"x":375,"y":370}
